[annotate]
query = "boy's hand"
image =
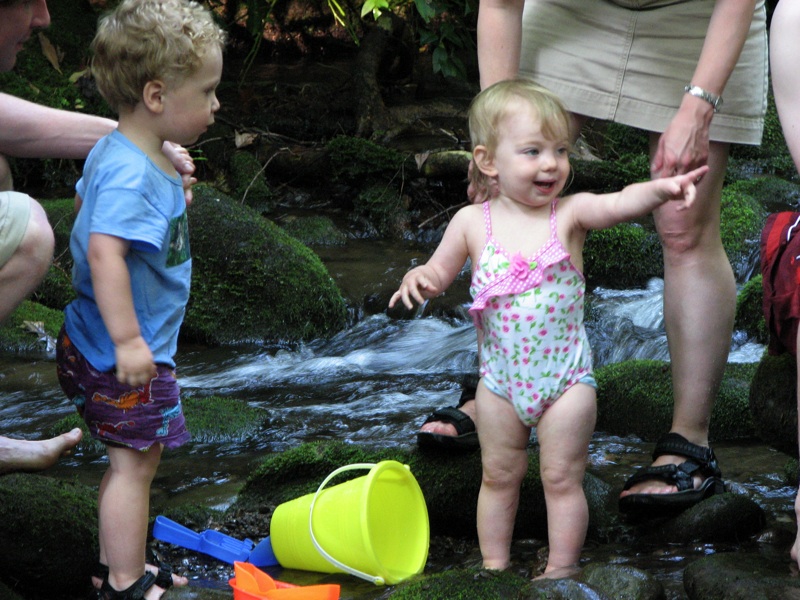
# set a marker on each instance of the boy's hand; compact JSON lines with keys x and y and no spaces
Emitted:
{"x":415,"y":285}
{"x":682,"y":188}
{"x":135,"y":366}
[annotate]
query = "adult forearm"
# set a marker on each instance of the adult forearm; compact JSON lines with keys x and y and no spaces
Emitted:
{"x":33,"y":131}
{"x":499,"y":39}
{"x":727,"y":32}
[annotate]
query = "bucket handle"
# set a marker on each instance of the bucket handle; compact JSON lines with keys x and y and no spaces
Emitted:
{"x":376,"y":579}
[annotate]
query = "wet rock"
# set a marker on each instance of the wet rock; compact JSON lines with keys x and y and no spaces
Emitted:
{"x":462,"y":583}
{"x":722,"y":518}
{"x":773,"y":402}
{"x":622,"y":582}
{"x":740,"y":576}
{"x":48,"y":536}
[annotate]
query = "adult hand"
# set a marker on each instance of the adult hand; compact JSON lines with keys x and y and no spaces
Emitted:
{"x":184,"y":165}
{"x":684,"y":144}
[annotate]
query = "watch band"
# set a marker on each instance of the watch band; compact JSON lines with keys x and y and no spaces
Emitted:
{"x":712,"y":99}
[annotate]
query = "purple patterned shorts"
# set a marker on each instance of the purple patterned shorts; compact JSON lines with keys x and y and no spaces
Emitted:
{"x":118,"y":414}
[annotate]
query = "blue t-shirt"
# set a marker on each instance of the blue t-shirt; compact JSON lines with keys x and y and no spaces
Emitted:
{"x":127,"y":196}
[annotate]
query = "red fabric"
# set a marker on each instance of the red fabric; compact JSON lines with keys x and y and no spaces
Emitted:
{"x":780,"y":270}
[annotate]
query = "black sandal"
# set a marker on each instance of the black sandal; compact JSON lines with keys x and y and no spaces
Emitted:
{"x":163,"y":578}
{"x":466,"y":437}
{"x":135,"y":591}
{"x":700,"y":461}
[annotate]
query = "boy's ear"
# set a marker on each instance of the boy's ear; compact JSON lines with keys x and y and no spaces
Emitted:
{"x":484,"y":161}
{"x":153,"y":95}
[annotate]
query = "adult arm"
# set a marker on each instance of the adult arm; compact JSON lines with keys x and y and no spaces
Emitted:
{"x":684,"y":144}
{"x":30,"y":130}
{"x":499,"y":39}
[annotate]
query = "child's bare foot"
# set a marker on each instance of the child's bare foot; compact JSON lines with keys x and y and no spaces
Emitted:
{"x":559,"y":572}
{"x":35,"y":455}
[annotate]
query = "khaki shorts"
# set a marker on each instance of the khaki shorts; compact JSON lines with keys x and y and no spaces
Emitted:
{"x":15,"y":211}
{"x":615,"y":62}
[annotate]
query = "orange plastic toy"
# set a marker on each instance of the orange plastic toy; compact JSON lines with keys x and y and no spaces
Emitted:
{"x":251,"y":583}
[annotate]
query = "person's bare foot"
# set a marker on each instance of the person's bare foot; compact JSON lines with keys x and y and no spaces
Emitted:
{"x":35,"y":455}
{"x":559,"y":572}
{"x":442,"y":428}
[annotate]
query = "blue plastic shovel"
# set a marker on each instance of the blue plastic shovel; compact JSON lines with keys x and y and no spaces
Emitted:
{"x":216,"y":544}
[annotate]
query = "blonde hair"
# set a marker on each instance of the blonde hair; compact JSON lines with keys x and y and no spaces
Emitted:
{"x":146,"y":40}
{"x":494,"y":103}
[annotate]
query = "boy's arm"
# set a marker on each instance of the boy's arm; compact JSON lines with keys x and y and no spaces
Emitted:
{"x":435,"y":276}
{"x":112,"y":289}
{"x":636,"y":200}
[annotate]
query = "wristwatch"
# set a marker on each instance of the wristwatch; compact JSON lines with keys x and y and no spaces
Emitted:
{"x":712,"y":99}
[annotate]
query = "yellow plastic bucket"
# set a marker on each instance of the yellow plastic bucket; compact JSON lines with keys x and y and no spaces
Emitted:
{"x":374,"y":527}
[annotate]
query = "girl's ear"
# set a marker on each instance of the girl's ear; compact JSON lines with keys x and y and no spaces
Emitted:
{"x":153,"y":95}
{"x":484,"y":161}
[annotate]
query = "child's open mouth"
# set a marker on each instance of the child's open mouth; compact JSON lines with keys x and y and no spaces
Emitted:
{"x":545,"y":186}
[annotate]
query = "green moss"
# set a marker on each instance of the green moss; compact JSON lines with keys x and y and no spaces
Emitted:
{"x":749,"y":311}
{"x":252,"y":281}
{"x":45,"y":519}
{"x":15,"y":335}
{"x":381,"y":206}
{"x":462,"y":584}
{"x":636,"y":397}
{"x":314,"y":231}
{"x":743,"y":214}
{"x":217,"y":419}
{"x":248,"y":181}
{"x":626,"y":255}
{"x":354,"y":159}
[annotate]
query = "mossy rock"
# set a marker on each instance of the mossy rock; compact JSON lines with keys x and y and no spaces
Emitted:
{"x":48,"y":535}
{"x":315,"y":230}
{"x":210,"y":420}
{"x":353,"y":160}
{"x":461,"y":584}
{"x":449,"y":483}
{"x":625,"y":256}
{"x":743,"y":216}
{"x":750,"y":312}
{"x":253,"y":282}
{"x":740,"y":576}
{"x":31,"y":329}
{"x":381,"y":210}
{"x":773,"y":402}
{"x":248,"y":182}
{"x":636,"y":397}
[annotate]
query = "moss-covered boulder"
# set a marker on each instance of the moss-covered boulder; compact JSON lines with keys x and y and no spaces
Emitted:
{"x":449,"y":483}
{"x":749,"y":311}
{"x":773,"y":402}
{"x":48,"y":536}
{"x":252,"y":281}
{"x":31,"y":329}
{"x":624,"y":256}
{"x":317,"y":230}
{"x":636,"y":397}
{"x":248,"y":182}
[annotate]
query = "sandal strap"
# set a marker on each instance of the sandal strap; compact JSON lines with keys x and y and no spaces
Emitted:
{"x":164,"y":577}
{"x":702,"y":457}
{"x":678,"y":475}
{"x":135,"y":591}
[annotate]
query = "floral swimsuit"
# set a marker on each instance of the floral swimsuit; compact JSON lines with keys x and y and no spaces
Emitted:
{"x":531,"y":311}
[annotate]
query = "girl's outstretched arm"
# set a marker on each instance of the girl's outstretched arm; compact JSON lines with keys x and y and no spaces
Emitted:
{"x":435,"y":276}
{"x":593,"y":211}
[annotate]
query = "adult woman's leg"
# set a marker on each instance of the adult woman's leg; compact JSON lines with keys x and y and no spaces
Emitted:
{"x":699,"y":306}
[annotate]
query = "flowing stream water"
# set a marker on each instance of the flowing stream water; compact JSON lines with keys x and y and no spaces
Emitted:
{"x":374,"y":383}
